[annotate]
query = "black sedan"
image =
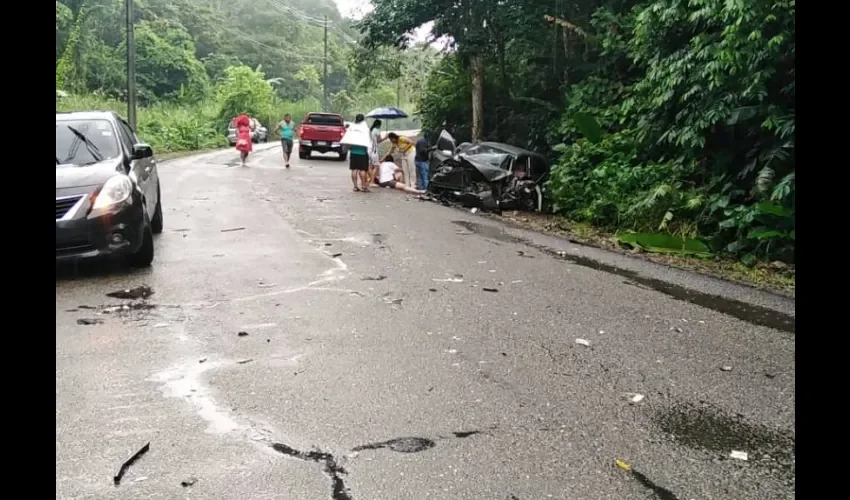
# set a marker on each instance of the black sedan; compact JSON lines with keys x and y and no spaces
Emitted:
{"x":107,"y":189}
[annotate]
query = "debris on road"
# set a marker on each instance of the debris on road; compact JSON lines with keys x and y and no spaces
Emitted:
{"x":266,"y":285}
{"x":521,"y":253}
{"x":335,"y":255}
{"x":130,"y":461}
{"x":636,"y":398}
{"x":493,"y":290}
{"x":380,"y":277}
{"x":230,"y":230}
{"x":465,"y":434}
{"x":242,"y":334}
{"x":401,"y":445}
{"x":739,"y":455}
{"x":140,"y":292}
{"x":89,"y":321}
{"x":448,"y":280}
{"x":432,"y":289}
{"x":726,"y":368}
{"x":676,"y":329}
{"x":188,"y":482}
{"x":244,"y":361}
{"x":660,"y":493}
{"x":473,"y":210}
{"x":202,"y":360}
{"x":583,"y":342}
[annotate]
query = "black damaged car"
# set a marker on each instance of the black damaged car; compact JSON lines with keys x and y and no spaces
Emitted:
{"x":107,"y":189}
{"x":492,"y":176}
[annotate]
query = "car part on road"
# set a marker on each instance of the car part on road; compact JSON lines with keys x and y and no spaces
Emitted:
{"x":139,"y":292}
{"x":130,"y":461}
{"x":188,"y":482}
{"x":490,"y":176}
{"x":401,"y":445}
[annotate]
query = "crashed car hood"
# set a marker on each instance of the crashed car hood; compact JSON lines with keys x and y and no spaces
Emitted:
{"x":490,"y":172}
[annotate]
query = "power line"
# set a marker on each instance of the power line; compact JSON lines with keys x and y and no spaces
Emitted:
{"x":276,"y":49}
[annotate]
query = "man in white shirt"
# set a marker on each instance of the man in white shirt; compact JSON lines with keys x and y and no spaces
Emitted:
{"x":389,"y":176}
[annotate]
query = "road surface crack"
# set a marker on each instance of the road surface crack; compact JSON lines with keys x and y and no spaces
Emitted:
{"x":330,"y":467}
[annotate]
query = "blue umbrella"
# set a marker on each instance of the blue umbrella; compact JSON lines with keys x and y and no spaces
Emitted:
{"x":387,"y":113}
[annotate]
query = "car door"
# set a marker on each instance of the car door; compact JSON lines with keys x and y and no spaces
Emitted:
{"x":141,"y":169}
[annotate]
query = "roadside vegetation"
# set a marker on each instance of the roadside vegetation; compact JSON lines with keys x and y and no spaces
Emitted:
{"x":201,"y":62}
{"x":670,"y":123}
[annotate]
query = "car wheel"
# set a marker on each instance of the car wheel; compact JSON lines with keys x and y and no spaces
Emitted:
{"x":343,"y":156}
{"x":144,"y":255}
{"x":156,"y":220}
{"x":303,"y":154}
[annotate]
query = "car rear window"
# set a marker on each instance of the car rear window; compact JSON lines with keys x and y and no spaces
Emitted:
{"x":324,"y":120}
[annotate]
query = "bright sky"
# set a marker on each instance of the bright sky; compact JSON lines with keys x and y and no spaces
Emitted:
{"x":355,"y":9}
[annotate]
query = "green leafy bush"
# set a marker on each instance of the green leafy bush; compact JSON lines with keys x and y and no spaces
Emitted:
{"x":694,"y":134}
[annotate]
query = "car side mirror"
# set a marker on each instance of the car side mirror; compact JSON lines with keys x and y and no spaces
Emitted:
{"x":347,"y":125}
{"x":142,"y":151}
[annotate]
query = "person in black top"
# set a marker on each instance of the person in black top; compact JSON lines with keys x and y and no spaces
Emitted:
{"x":422,"y":173}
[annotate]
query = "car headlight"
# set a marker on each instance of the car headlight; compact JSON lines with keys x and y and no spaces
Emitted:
{"x":116,"y":190}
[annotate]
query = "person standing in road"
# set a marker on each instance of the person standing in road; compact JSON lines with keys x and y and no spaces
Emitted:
{"x":374,"y":158}
{"x":422,"y":174}
{"x":358,"y":159}
{"x":243,"y":138}
{"x":406,"y":149}
{"x":287,"y":135}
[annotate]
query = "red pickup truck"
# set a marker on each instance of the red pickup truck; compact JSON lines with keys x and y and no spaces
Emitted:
{"x":321,"y":132}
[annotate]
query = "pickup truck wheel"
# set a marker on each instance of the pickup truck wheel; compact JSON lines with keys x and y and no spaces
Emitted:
{"x":303,"y":154}
{"x":342,"y":156}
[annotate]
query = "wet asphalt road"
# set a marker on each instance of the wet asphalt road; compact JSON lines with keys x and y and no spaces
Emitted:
{"x":368,"y":320}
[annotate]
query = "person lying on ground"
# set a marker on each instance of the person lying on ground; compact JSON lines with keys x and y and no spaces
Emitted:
{"x":390,"y":176}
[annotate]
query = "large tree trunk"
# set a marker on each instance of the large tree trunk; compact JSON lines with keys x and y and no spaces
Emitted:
{"x":477,"y":63}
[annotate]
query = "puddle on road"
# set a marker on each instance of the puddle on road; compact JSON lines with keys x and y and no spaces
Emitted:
{"x":706,"y":428}
{"x":753,"y":314}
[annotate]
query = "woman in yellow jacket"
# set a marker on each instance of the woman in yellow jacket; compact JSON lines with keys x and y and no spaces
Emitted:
{"x":406,"y":148}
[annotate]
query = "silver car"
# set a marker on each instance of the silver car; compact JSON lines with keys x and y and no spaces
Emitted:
{"x":259,"y":133}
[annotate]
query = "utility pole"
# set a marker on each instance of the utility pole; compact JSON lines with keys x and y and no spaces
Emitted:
{"x":131,"y":65}
{"x":325,"y":77}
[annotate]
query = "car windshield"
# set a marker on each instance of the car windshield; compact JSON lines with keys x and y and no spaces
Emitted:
{"x":83,"y":142}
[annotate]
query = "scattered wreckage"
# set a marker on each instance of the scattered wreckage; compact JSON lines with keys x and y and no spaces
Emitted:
{"x":491,"y":176}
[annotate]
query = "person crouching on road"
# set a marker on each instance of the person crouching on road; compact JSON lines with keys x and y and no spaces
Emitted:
{"x":287,"y":135}
{"x":422,"y":173}
{"x":407,"y":157}
{"x":390,"y":175}
{"x":243,"y":138}
{"x":358,"y":162}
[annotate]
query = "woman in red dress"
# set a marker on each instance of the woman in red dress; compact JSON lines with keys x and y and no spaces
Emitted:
{"x":243,"y":137}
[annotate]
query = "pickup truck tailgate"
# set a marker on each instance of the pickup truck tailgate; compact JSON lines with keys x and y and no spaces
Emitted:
{"x":321,"y":133}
